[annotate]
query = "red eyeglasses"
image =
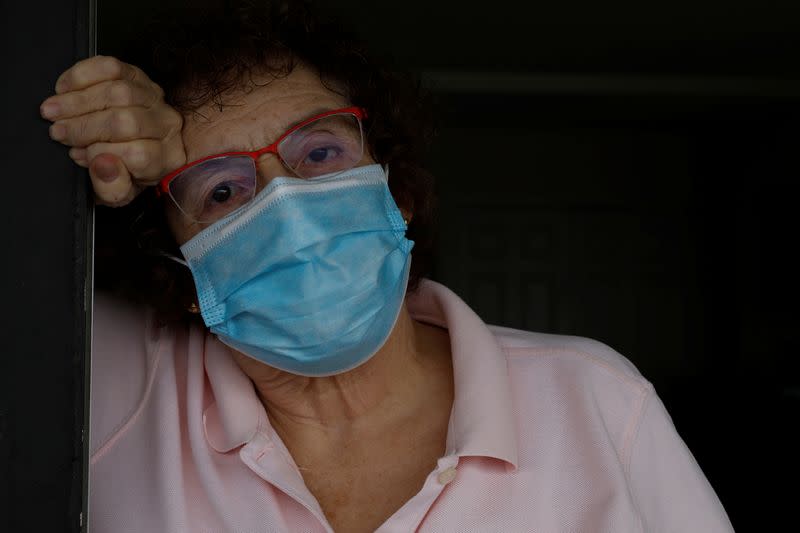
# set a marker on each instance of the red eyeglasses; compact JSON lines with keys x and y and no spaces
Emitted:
{"x":210,"y":188}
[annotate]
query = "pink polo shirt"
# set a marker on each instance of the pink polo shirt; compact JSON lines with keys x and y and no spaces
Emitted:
{"x":547,"y":434}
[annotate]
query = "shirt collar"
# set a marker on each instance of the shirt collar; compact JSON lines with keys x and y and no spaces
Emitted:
{"x":482,"y":419}
{"x":481,"y":422}
{"x":236,"y":413}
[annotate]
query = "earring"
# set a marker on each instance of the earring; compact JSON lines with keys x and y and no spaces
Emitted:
{"x":193,"y":308}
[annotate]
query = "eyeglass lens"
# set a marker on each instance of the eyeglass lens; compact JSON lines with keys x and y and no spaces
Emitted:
{"x":211,"y":190}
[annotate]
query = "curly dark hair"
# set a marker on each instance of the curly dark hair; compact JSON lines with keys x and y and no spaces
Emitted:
{"x":209,"y":52}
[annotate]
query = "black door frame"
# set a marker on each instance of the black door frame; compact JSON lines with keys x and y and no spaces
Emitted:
{"x":46,"y":244}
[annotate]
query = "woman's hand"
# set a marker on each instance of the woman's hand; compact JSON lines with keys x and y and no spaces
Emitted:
{"x":118,"y":125}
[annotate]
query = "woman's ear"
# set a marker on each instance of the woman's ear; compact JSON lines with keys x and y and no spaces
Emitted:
{"x":407,"y":215}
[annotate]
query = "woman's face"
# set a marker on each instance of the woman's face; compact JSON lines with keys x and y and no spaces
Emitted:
{"x":250,"y":121}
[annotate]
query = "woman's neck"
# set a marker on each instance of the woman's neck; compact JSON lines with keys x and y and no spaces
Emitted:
{"x":366,"y":440}
{"x":406,"y":381}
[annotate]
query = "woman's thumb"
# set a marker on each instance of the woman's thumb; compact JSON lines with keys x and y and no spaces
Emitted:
{"x":111,"y":180}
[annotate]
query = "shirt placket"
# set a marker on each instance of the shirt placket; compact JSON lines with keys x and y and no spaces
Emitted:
{"x":264,"y":458}
{"x":409,"y":517}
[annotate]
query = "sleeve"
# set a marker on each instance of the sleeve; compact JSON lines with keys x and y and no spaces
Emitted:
{"x":668,"y":486}
{"x":120,"y":359}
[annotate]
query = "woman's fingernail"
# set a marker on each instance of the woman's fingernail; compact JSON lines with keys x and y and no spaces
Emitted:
{"x":106,"y":172}
{"x":58,"y":132}
{"x":50,"y":110}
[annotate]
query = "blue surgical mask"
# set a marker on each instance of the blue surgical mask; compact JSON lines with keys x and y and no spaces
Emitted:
{"x":310,"y":276}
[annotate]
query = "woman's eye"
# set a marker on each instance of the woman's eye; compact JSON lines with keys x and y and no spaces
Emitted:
{"x":321,"y":155}
{"x":221,"y":193}
{"x":227,"y":194}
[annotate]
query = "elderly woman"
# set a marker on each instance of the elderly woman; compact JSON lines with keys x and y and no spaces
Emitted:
{"x":329,"y":386}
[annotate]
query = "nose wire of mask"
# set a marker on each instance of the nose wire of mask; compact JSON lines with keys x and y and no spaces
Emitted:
{"x":319,"y":276}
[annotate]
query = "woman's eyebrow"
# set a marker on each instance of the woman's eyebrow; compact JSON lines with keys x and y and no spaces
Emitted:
{"x":314,"y":112}
{"x":285,"y":127}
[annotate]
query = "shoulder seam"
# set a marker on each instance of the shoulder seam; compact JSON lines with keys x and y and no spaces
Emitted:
{"x":633,"y":427}
{"x":631,"y":433}
{"x":113,"y":435}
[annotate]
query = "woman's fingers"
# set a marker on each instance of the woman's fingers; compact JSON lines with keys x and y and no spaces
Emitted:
{"x":104,"y":95}
{"x":97,"y":69}
{"x":113,"y":125}
{"x":78,"y":155}
{"x":146,"y":159}
{"x":118,"y":126}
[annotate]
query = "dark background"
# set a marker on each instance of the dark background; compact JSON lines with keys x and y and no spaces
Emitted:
{"x":619,"y":170}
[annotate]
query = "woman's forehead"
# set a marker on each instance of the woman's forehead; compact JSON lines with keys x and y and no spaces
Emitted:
{"x":255,"y":115}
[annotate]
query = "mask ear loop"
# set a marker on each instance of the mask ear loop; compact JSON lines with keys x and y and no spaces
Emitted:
{"x":172,"y":257}
{"x":151,"y":251}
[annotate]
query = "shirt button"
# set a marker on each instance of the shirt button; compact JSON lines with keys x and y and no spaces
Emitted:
{"x":448,"y":475}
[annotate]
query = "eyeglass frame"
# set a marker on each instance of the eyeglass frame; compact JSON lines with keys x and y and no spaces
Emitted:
{"x":360,"y":113}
